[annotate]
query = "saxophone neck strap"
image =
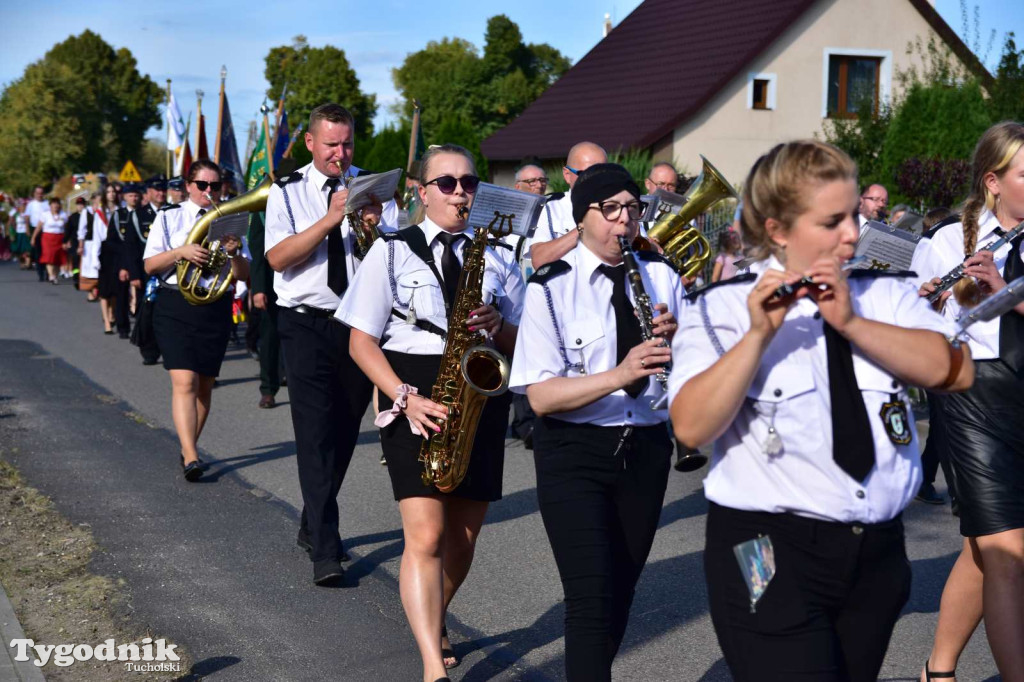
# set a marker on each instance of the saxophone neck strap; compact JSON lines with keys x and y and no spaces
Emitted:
{"x":413,"y":236}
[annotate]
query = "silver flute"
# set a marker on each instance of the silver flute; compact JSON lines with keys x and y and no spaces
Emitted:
{"x":644,"y":311}
{"x":957,"y":273}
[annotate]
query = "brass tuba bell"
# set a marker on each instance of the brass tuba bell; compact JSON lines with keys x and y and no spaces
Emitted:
{"x":687,"y":249}
{"x":219,"y":267}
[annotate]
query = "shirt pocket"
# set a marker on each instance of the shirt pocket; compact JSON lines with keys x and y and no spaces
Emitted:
{"x":493,"y":287}
{"x":583,"y":343}
{"x":781,"y":384}
{"x":872,"y":378}
{"x":419,"y":289}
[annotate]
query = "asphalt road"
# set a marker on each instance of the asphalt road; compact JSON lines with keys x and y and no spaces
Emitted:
{"x":214,"y":566}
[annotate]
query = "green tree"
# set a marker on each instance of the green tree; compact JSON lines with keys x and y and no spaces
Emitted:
{"x":313,"y":76}
{"x":386,"y":150}
{"x":1007,"y":92}
{"x":457,"y":86}
{"x":84,"y":79}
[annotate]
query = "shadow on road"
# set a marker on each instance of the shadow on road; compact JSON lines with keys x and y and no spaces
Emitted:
{"x":218,"y":468}
{"x":208,"y":666}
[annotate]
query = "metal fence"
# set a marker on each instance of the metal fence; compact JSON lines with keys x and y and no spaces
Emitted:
{"x":711,"y":225}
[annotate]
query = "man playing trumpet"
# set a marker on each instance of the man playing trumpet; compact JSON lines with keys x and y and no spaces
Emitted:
{"x":311,"y":246}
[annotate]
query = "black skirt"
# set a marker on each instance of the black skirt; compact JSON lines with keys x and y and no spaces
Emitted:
{"x":193,"y":337}
{"x":111,"y":260}
{"x":402,"y":447}
{"x":986,"y":449}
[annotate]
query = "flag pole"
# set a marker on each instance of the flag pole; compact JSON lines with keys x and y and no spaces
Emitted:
{"x":199,"y":117}
{"x":220,"y":115}
{"x":288,"y":152}
{"x":414,"y":134}
{"x":266,"y":136}
{"x":168,"y":127}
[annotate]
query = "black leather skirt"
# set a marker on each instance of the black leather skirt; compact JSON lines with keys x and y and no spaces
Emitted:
{"x":986,"y":449}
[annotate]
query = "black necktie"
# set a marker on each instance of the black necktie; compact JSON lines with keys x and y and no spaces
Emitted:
{"x":853,"y":447}
{"x":201,"y":213}
{"x":337,"y":273}
{"x":1011,"y":325}
{"x":627,"y":326}
{"x":451,"y":268}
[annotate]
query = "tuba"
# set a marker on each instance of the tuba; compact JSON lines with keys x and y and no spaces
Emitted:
{"x":470,"y":374}
{"x":219,"y":266}
{"x":686,"y":248}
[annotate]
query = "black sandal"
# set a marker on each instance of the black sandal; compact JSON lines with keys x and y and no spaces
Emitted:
{"x":929,"y":675}
{"x":449,"y":653}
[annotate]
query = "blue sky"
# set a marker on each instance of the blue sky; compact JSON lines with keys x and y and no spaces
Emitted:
{"x":188,"y":42}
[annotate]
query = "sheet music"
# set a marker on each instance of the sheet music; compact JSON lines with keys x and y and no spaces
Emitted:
{"x":885,"y":247}
{"x":236,"y":225}
{"x":651,"y":212}
{"x":909,"y":222}
{"x":668,"y":202}
{"x":380,"y":185}
{"x":489,"y":198}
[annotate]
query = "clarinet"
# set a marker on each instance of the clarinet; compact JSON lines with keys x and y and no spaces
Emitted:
{"x":957,"y":273}
{"x":644,"y":311}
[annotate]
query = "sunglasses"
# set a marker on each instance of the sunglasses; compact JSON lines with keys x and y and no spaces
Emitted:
{"x":203,"y":185}
{"x":447,"y":183}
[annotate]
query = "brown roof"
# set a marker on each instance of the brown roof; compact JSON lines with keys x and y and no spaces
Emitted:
{"x":655,"y":70}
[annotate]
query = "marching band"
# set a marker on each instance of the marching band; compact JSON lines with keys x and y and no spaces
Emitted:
{"x":794,"y":370}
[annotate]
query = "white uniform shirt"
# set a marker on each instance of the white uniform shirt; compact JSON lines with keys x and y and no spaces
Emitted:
{"x":36,"y":210}
{"x":53,"y":224}
{"x":581,"y":299}
{"x":368,"y":303}
{"x":20,"y":221}
{"x":179,"y":221}
{"x":862,"y":224}
{"x":306,"y":282}
{"x":555,"y":220}
{"x":944,"y":252}
{"x":791,"y":390}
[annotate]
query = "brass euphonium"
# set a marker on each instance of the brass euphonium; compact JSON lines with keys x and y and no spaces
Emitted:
{"x":470,"y":374}
{"x":219,"y":265}
{"x":687,"y":249}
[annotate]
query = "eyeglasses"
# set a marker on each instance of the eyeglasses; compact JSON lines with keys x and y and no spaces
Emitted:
{"x":881,"y":200}
{"x":572,"y":170}
{"x":534,"y":181}
{"x":670,"y":186}
{"x":447,"y":183}
{"x":611,"y":210}
{"x":203,"y":185}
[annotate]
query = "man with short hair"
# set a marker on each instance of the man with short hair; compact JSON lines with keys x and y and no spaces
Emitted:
{"x":311,"y":247}
{"x":531,"y":178}
{"x":663,"y":175}
{"x":142,"y":221}
{"x":119,"y":241}
{"x":873,"y":202}
{"x":35,"y":210}
{"x":556,"y":233}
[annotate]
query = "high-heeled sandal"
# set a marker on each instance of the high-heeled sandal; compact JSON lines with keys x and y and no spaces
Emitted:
{"x":929,"y":675}
{"x":449,"y":653}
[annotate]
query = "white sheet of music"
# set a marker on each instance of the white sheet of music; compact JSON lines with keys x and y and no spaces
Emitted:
{"x":489,"y":199}
{"x":885,"y":247}
{"x":380,"y":185}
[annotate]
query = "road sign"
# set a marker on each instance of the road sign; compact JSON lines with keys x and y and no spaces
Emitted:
{"x":130,"y":173}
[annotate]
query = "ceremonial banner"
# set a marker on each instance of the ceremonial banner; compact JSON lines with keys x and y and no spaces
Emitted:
{"x":259,"y":163}
{"x":175,"y":124}
{"x":283,"y":139}
{"x":202,"y":151}
{"x":227,"y":147}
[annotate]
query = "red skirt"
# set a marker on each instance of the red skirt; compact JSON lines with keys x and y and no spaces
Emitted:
{"x":53,"y":249}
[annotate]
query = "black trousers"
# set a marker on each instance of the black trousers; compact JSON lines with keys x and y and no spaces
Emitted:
{"x":828,"y":613}
{"x":142,"y":334}
{"x":329,"y":395}
{"x":600,"y":493}
{"x":270,"y":349}
{"x":122,"y":308}
{"x":936,"y":450}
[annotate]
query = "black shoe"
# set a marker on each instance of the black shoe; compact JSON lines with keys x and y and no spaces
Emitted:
{"x":926,"y":493}
{"x":149,"y":362}
{"x":528,"y":440}
{"x":123,"y":335}
{"x":193,"y":471}
{"x":328,"y":573}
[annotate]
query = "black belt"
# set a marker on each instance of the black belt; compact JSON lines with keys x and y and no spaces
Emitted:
{"x":315,"y":312}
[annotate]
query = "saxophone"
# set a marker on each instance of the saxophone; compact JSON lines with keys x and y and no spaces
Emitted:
{"x":364,"y":230}
{"x":470,"y":374}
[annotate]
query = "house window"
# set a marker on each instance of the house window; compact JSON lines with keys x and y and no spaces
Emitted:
{"x":853,"y":83}
{"x":761,"y":91}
